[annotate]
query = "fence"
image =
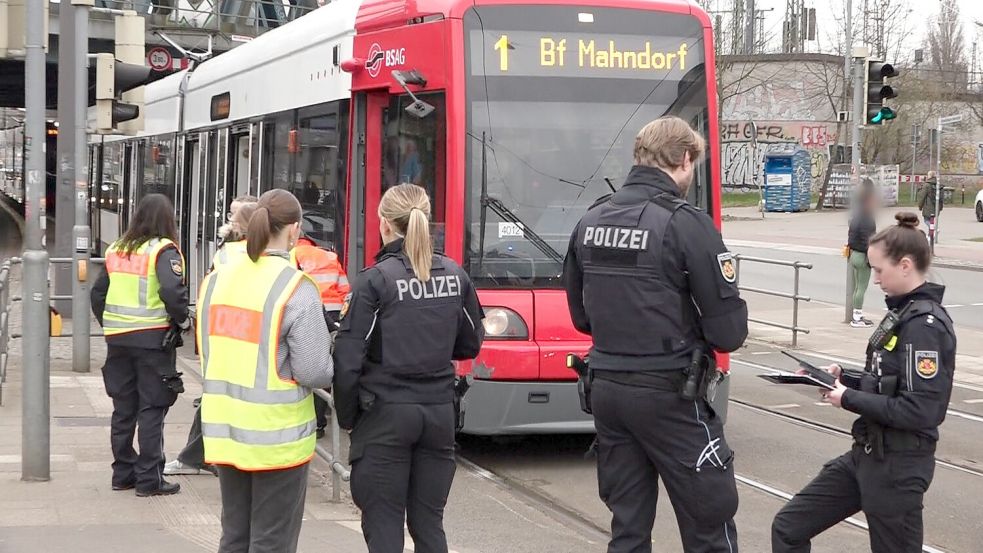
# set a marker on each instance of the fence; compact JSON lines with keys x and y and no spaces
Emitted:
{"x":339,"y":471}
{"x":794,"y":296}
{"x":239,"y":17}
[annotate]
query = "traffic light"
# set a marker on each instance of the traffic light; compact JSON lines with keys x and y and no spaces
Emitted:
{"x":113,"y":78}
{"x":877,"y":91}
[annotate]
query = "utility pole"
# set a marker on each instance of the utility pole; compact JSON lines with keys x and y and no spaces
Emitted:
{"x":749,"y":31}
{"x":80,"y":230}
{"x":36,"y":401}
{"x":847,"y":52}
{"x":68,"y":72}
{"x":915,"y":132}
{"x":859,"y":117}
{"x":942,"y":124}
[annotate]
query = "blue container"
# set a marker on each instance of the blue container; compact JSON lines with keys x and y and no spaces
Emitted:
{"x":788,"y":179}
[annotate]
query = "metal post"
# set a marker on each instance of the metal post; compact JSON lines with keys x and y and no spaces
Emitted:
{"x":336,"y":451}
{"x":36,"y":432}
{"x":80,"y":231}
{"x":858,"y":119}
{"x":938,"y":187}
{"x":795,"y":309}
{"x":68,"y":72}
{"x":914,"y":152}
{"x":749,"y":31}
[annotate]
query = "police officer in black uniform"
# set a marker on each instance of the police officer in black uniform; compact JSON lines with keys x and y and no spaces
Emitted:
{"x":140,"y":372}
{"x":901,"y":396}
{"x":405,"y":320}
{"x":648,"y":277}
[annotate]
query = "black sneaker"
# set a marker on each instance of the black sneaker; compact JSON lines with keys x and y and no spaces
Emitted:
{"x":165,"y":488}
{"x":320,"y":433}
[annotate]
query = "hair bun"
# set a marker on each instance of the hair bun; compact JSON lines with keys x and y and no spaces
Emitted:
{"x":907,"y":219}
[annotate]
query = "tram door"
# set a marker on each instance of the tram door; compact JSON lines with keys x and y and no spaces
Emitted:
{"x":238,"y":165}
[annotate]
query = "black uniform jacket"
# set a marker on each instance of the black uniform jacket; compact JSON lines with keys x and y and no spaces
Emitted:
{"x":923,"y":359}
{"x":695,"y":262}
{"x":173,"y":292}
{"x":398,"y":336}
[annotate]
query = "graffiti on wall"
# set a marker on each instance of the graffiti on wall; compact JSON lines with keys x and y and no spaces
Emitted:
{"x":744,"y":144}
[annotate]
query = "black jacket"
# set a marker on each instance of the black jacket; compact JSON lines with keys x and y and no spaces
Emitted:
{"x":694,"y":265}
{"x":862,"y":227}
{"x":923,"y":360}
{"x":173,"y":292}
{"x":398,"y":336}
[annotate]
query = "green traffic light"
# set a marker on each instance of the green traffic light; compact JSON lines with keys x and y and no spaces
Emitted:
{"x":885,"y":114}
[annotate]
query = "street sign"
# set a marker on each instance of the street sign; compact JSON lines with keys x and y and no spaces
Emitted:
{"x":159,"y":59}
{"x":950,"y":120}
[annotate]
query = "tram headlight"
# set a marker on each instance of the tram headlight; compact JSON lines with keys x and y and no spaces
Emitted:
{"x":502,"y":323}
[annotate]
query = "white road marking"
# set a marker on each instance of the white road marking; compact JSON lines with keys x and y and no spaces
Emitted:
{"x":973,"y":401}
{"x":785,"y":406}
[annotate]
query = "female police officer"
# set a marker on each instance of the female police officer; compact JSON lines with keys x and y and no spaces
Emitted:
{"x":136,"y":300}
{"x":901,"y":397}
{"x":406,"y":318}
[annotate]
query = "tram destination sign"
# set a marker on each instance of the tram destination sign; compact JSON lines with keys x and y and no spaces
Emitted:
{"x":543,"y":54}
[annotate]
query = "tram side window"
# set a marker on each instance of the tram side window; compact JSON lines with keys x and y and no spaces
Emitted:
{"x":414,"y":151}
{"x":111,"y":185}
{"x":319,"y":180}
{"x":282,"y":125}
{"x":158,"y":167}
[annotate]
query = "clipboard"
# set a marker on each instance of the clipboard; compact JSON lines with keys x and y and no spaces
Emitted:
{"x":792,"y":378}
{"x":815,"y":373}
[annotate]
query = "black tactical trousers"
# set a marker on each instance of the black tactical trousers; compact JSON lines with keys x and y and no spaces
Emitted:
{"x":889,"y":491}
{"x":644,"y":434}
{"x":133,"y":379}
{"x":193,"y":454}
{"x":402,"y":469}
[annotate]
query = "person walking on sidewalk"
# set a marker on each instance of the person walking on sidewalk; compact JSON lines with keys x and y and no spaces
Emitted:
{"x":191,"y":460}
{"x":137,"y":299}
{"x":325,"y":268}
{"x":264,"y":345}
{"x":901,"y":397}
{"x":407,"y":318}
{"x":862,"y":227}
{"x":927,"y":202}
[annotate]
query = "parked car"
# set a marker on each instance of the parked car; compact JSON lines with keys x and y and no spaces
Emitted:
{"x":979,"y":206}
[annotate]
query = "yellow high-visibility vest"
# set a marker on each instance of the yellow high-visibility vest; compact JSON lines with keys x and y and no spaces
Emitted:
{"x":133,"y":301}
{"x":229,"y":253}
{"x":250,"y":418}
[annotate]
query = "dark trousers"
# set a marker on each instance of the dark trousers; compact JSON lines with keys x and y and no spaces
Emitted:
{"x":262,"y":511}
{"x":133,"y":379}
{"x":644,"y":434}
{"x":193,"y":454}
{"x":889,"y":491}
{"x":320,"y":411}
{"x":402,"y":469}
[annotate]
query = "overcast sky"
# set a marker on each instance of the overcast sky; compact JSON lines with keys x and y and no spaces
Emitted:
{"x":829,"y":10}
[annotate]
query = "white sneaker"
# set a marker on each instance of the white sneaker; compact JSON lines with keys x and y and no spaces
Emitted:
{"x":176,"y":467}
{"x":862,"y":323}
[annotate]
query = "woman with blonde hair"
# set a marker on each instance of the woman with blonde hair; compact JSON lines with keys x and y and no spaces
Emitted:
{"x":264,"y":345}
{"x":406,"y":319}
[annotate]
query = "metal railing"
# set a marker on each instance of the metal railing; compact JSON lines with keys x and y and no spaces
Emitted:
{"x":794,"y":296}
{"x":62,"y":297}
{"x":4,"y":322}
{"x":239,"y":17}
{"x":339,"y":470}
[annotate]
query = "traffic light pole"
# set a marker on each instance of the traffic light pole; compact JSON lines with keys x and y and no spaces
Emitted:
{"x":859,"y":68}
{"x":938,"y":187}
{"x":80,"y":231}
{"x":35,"y":400}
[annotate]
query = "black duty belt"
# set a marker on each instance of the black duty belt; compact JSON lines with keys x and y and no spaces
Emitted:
{"x":667,"y":381}
{"x":895,"y":440}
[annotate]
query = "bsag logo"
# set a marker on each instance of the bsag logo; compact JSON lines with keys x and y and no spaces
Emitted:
{"x":379,"y":57}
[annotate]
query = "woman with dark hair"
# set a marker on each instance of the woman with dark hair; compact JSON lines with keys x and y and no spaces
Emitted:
{"x":901,"y":397}
{"x":137,"y":299}
{"x":264,"y":346}
{"x":862,"y":227}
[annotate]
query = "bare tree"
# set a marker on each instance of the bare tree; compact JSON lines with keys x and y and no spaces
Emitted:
{"x":946,"y":46}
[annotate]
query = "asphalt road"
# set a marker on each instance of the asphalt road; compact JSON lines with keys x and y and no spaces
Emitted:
{"x":826,"y":282}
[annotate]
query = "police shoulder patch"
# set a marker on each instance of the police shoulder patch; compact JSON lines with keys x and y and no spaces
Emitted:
{"x":727,"y":270}
{"x":176,"y":267}
{"x":927,"y":363}
{"x":345,"y":305}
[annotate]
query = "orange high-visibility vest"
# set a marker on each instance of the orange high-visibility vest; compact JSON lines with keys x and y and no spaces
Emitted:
{"x":325,"y":268}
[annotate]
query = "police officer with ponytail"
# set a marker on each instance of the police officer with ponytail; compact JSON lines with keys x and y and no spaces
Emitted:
{"x":901,"y":396}
{"x":406,"y":319}
{"x":649,"y":279}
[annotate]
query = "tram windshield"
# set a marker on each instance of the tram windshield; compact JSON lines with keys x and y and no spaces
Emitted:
{"x":552,"y":121}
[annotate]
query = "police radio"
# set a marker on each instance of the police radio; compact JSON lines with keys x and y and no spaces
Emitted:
{"x":885,"y":330}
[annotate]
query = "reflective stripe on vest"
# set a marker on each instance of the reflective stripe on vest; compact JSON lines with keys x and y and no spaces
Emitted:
{"x":251,"y":419}
{"x":133,"y":300}
{"x":229,"y":253}
{"x":323,"y":266}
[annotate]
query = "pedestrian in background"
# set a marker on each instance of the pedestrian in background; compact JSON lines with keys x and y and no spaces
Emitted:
{"x":325,"y":268}
{"x":191,"y":460}
{"x":862,"y":227}
{"x":136,"y":300}
{"x":649,"y":278}
{"x":264,"y":345}
{"x":408,"y":317}
{"x":927,"y":202}
{"x":901,"y":396}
